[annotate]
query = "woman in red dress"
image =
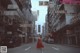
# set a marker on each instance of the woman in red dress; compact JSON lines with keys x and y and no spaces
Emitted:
{"x":39,"y":43}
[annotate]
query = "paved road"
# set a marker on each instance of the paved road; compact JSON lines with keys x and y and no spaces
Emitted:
{"x":49,"y":48}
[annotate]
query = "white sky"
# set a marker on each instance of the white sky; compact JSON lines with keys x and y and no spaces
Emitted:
{"x":42,"y":11}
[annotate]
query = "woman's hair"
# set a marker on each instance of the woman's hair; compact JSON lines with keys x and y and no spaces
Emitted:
{"x":40,"y":36}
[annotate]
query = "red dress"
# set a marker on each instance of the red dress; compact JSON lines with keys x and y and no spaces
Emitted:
{"x":39,"y":43}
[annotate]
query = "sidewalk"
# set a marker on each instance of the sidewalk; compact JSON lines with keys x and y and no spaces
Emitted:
{"x":69,"y":45}
{"x":73,"y":46}
{"x":22,"y":46}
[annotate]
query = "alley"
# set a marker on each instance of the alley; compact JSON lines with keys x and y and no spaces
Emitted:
{"x":49,"y":48}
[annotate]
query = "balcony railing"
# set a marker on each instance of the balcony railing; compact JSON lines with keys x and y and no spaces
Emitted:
{"x":10,"y":13}
{"x":12,"y":6}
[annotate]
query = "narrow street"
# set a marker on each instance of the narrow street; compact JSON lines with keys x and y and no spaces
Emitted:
{"x":48,"y":48}
{"x":39,"y":26}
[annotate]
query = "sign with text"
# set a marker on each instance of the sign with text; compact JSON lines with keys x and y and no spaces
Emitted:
{"x":43,"y":3}
{"x":39,"y":28}
{"x":3,"y":49}
{"x":70,"y":1}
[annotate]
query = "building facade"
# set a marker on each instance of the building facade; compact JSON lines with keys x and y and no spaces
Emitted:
{"x":63,"y":22}
{"x":17,"y":22}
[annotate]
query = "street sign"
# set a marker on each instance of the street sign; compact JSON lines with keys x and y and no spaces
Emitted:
{"x":70,"y":1}
{"x":43,"y":3}
{"x":39,"y":28}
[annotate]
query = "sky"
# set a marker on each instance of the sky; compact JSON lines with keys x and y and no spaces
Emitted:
{"x":42,"y":11}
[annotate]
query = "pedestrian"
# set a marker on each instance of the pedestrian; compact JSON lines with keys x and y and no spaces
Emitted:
{"x":39,"y":43}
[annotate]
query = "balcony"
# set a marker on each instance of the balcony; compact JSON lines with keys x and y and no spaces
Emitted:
{"x":10,"y":13}
{"x":13,"y":9}
{"x":12,"y":6}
